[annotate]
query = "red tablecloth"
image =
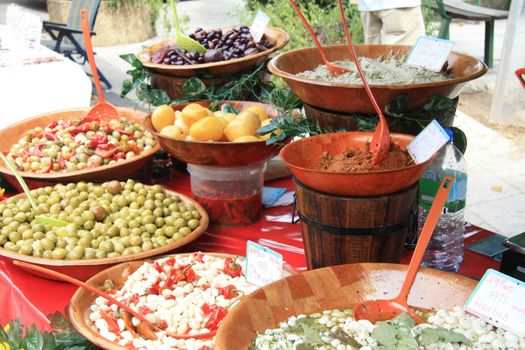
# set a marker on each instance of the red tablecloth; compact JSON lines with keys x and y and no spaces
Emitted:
{"x":275,"y":231}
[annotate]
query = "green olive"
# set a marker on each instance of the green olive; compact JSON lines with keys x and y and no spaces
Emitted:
{"x":185,"y":231}
{"x":193,"y":224}
{"x":58,"y":253}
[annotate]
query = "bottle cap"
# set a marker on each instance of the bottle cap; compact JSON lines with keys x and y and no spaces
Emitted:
{"x":450,"y":135}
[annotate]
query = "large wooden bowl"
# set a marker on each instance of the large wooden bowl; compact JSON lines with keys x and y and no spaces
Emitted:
{"x":228,"y":154}
{"x":86,"y":268}
{"x":352,"y":98}
{"x":336,"y":287}
{"x":276,"y":36}
{"x":119,"y":170}
{"x":302,"y":157}
{"x":79,"y":307}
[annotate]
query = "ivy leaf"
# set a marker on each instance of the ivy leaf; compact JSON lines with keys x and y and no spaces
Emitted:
{"x":228,"y":108}
{"x":459,"y":139}
{"x":193,"y":87}
{"x":129,"y":57}
{"x":33,"y":339}
{"x":284,"y":99}
{"x":14,"y":336}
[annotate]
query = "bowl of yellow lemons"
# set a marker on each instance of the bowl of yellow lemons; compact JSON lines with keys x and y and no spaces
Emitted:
{"x":226,"y":135}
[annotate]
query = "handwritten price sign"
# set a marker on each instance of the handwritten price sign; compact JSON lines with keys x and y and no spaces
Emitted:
{"x":263,"y":265}
{"x":430,"y":53}
{"x":427,"y":142}
{"x":499,"y":300}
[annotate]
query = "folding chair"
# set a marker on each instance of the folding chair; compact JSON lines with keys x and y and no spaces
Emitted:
{"x":68,"y":37}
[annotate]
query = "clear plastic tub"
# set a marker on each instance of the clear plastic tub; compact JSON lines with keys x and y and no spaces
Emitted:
{"x":232,"y":196}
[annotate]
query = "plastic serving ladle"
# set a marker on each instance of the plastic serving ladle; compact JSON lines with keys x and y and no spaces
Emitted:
{"x":80,"y":284}
{"x":520,"y":73}
{"x":386,"y":309}
{"x":103,"y":109}
{"x":332,"y":68}
{"x":184,"y":41}
{"x":41,"y":219}
{"x":380,"y":144}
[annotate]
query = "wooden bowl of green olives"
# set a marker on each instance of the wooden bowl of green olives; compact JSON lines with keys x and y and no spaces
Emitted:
{"x":65,"y":146}
{"x":109,"y":223}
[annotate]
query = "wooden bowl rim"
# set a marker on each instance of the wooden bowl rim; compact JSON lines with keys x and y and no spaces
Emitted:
{"x":57,"y":176}
{"x":87,"y":331}
{"x":203,"y":225}
{"x":349,"y":134}
{"x":222,"y":143}
{"x":272,"y":67}
{"x":141,"y":56}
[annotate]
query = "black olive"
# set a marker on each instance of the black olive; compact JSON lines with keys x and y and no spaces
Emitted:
{"x":213,"y":56}
{"x":250,"y":51}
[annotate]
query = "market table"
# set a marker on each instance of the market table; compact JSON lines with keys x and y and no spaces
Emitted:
{"x":275,"y":230}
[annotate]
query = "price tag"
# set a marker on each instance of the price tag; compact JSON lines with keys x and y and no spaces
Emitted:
{"x":430,"y":53}
{"x":263,"y":265}
{"x":427,"y":142}
{"x":258,"y":26}
{"x":499,"y":300}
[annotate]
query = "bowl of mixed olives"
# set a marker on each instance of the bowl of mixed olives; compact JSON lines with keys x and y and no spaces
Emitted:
{"x":107,"y":223}
{"x":65,"y":146}
{"x":228,"y":51}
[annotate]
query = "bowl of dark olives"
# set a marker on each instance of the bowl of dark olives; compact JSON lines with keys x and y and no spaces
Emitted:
{"x":228,"y":51}
{"x":108,"y":223}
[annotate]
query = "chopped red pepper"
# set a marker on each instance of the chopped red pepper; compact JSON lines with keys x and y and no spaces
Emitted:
{"x":61,"y":161}
{"x":204,"y":286}
{"x":37,"y":150}
{"x":144,"y":310}
{"x":53,"y":124}
{"x":205,"y":347}
{"x":106,"y":146}
{"x":135,"y":299}
{"x":198,"y":256}
{"x":231,"y":268}
{"x":216,"y":314}
{"x":157,"y":266}
{"x":89,"y":119}
{"x":229,"y":292}
{"x":163,"y":324}
{"x":111,"y":321}
{"x":170,"y":261}
{"x":97,"y":140}
{"x":107,"y":154}
{"x":51,"y":136}
{"x":119,"y":155}
{"x":189,"y":274}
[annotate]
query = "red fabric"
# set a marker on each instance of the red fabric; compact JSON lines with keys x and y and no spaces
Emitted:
{"x":275,"y":231}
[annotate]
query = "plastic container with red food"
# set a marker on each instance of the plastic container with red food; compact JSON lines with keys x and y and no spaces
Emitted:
{"x":232,"y":196}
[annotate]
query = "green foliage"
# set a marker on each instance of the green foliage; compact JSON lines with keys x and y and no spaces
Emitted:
{"x":155,"y":5}
{"x":63,"y":337}
{"x":325,"y":20}
{"x":431,"y":18}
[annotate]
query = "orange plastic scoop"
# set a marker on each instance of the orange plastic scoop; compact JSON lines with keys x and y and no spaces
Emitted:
{"x":332,"y":68}
{"x":74,"y":281}
{"x":103,"y":109}
{"x":382,"y":310}
{"x":520,"y":73}
{"x":380,"y":144}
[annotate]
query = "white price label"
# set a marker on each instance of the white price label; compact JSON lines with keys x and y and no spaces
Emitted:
{"x":427,"y":142}
{"x":263,"y":265}
{"x":498,"y":300}
{"x":260,"y":22}
{"x":430,"y":53}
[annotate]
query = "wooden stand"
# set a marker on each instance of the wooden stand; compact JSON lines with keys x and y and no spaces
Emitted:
{"x":340,"y":230}
{"x":173,"y":85}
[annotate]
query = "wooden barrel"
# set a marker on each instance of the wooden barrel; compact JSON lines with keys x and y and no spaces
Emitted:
{"x":341,"y":230}
{"x":329,"y":120}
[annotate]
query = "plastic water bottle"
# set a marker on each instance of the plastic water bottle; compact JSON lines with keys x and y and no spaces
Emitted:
{"x":445,"y":249}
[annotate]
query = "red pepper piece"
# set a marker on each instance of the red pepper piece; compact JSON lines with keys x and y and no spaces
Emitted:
{"x":229,"y":292}
{"x":53,"y":124}
{"x":49,"y":168}
{"x":198,"y":256}
{"x":111,"y":321}
{"x":96,"y":140}
{"x":51,"y":136}
{"x":216,"y":314}
{"x":170,"y":261}
{"x":190,"y":274}
{"x":106,"y":146}
{"x":108,"y":154}
{"x":135,"y":299}
{"x":157,"y":266}
{"x":231,"y":268}
{"x":89,"y":119}
{"x":61,"y":161}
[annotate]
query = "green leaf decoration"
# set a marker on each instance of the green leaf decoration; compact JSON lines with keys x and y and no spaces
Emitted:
{"x":459,"y":139}
{"x":228,"y":108}
{"x":193,"y":87}
{"x":129,"y":57}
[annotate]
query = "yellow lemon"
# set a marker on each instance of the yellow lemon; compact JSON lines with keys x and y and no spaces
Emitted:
{"x":223,"y":121}
{"x":229,"y":116}
{"x":5,"y":346}
{"x":193,"y":112}
{"x":172,"y":131}
{"x":219,"y":113}
{"x":246,"y":138}
{"x":239,"y":127}
{"x":208,"y":128}
{"x":250,"y":117}
{"x":162,"y":116}
{"x":182,"y":125}
{"x":260,"y":111}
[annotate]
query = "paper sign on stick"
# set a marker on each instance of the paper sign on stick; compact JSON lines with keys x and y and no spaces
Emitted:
{"x":430,"y":53}
{"x":427,"y":142}
{"x":499,"y":300}
{"x":259,"y":24}
{"x":263,"y":265}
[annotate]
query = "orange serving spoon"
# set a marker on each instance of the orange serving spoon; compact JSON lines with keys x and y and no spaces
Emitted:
{"x":102,"y":109}
{"x":386,"y":309}
{"x":380,"y":144}
{"x":332,"y":68}
{"x":74,"y":281}
{"x":520,"y":73}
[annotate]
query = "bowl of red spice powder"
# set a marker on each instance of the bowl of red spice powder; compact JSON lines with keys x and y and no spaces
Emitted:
{"x":342,"y":164}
